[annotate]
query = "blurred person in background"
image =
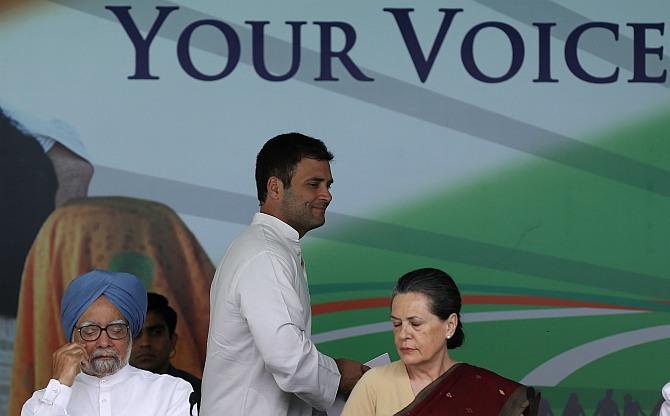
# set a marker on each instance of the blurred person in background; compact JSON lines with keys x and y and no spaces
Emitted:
{"x":157,"y":342}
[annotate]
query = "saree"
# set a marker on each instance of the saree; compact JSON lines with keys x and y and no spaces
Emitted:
{"x":141,"y":237}
{"x":468,"y":390}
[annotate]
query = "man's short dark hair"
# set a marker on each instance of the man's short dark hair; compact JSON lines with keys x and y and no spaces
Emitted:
{"x":281,"y":154}
{"x":159,"y":304}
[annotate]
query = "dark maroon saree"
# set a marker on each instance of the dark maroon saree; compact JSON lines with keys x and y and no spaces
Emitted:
{"x":468,"y":390}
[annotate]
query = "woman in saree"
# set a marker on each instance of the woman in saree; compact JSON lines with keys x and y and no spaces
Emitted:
{"x":426,"y":381}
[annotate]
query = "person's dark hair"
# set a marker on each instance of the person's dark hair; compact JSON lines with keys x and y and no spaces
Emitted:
{"x":281,"y":154}
{"x":442,"y":293}
{"x":159,"y":304}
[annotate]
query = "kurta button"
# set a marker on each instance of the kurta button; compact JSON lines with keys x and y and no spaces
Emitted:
{"x":468,"y":410}
{"x":449,"y":394}
{"x":502,"y":393}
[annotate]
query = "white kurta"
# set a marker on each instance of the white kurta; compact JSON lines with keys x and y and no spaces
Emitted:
{"x":260,"y":357}
{"x":665,"y":407}
{"x":128,"y":392}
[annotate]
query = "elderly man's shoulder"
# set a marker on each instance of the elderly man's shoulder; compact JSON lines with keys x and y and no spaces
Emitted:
{"x":158,"y":380}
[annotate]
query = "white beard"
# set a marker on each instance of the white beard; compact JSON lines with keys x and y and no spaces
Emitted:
{"x":98,"y":367}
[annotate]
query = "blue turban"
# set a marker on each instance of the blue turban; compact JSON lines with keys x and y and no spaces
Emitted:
{"x":124,"y":290}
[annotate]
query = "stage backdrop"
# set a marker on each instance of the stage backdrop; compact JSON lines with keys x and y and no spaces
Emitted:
{"x":522,"y":146}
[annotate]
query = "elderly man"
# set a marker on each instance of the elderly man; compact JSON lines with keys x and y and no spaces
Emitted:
{"x":91,"y":376}
{"x":261,"y":360}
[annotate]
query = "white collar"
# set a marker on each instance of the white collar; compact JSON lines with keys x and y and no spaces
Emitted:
{"x":275,"y":223}
{"x":110,"y":380}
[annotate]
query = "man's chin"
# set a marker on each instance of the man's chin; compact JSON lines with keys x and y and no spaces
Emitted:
{"x":103,"y":366}
{"x":318,"y":221}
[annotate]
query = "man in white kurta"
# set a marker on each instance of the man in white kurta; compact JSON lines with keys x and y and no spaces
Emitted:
{"x":100,"y":312}
{"x":130,"y":391}
{"x":260,"y":357}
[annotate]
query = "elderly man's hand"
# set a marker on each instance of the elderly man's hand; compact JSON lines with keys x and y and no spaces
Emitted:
{"x":350,"y":372}
{"x":67,"y":362}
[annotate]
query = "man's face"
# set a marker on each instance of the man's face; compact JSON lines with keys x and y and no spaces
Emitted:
{"x":152,"y":347}
{"x":106,"y":355}
{"x":303,"y":205}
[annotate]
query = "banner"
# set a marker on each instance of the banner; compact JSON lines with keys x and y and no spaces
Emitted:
{"x":520,"y":146}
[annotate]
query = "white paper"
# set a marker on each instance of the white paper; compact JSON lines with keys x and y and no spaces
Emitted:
{"x":381,"y":360}
{"x":340,"y":400}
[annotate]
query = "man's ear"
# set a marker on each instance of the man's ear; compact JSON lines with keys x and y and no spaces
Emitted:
{"x":173,"y":340}
{"x":275,"y":187}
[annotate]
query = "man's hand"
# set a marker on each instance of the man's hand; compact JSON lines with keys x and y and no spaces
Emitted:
{"x":67,"y":362}
{"x":350,"y":372}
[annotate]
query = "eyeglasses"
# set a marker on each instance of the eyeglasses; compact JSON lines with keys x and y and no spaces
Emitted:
{"x":92,"y":332}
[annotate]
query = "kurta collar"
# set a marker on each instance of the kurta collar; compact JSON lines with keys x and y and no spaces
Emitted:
{"x":284,"y":229}
{"x":115,"y":378}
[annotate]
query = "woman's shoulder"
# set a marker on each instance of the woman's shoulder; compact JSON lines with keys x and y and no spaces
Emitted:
{"x":381,"y":391}
{"x":387,"y":372}
{"x":512,"y":397}
{"x":470,"y":389}
{"x":483,"y":375}
{"x":395,"y":367}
